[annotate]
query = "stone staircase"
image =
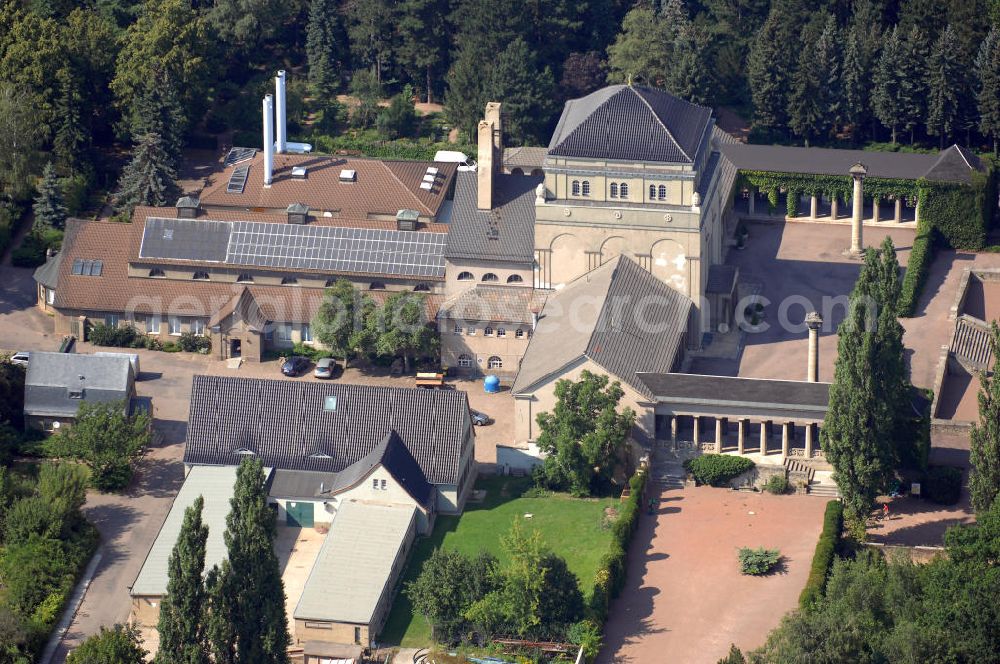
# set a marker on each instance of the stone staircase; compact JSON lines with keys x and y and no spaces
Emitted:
{"x":824,"y":489}
{"x":797,"y":467}
{"x":667,"y":469}
{"x":823,"y":486}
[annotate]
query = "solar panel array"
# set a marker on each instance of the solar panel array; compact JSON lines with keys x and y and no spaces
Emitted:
{"x":87,"y":268}
{"x":238,"y":180}
{"x":327,"y":248}
{"x":296,"y":247}
{"x":236,"y":155}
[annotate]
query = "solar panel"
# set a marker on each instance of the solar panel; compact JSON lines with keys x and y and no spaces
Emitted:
{"x":236,"y":155}
{"x":238,"y":180}
{"x":185,"y":239}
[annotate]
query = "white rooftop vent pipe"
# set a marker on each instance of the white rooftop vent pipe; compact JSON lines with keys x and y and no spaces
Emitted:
{"x":281,"y":120}
{"x":268,"y":139}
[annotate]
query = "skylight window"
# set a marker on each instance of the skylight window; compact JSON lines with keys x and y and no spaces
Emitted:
{"x":87,"y":268}
{"x":330,"y":403}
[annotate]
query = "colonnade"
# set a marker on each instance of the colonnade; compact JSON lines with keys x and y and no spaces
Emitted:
{"x":709,"y":433}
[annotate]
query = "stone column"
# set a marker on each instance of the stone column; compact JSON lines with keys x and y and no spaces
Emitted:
{"x":875,"y":210}
{"x":814,"y":321}
{"x":813,"y":206}
{"x":785,"y":436}
{"x":741,"y":436}
{"x":898,"y":210}
{"x":834,"y":205}
{"x":673,"y":430}
{"x":810,"y":430}
{"x":718,"y":435}
{"x":858,"y":172}
{"x":752,"y":201}
{"x":697,"y":432}
{"x":763,"y":437}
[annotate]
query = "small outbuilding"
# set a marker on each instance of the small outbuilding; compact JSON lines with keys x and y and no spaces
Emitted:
{"x":57,"y":383}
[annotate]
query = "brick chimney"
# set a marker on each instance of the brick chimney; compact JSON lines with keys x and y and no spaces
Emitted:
{"x":484,"y":167}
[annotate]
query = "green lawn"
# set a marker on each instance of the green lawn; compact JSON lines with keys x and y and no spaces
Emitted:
{"x":574,"y":528}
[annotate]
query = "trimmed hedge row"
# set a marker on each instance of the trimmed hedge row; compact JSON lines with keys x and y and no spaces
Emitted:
{"x":717,"y":469}
{"x":826,"y":548}
{"x":610,"y":578}
{"x":943,"y":484}
{"x":917,"y":267}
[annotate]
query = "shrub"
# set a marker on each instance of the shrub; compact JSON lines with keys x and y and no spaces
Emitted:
{"x":943,"y":484}
{"x":610,"y":577}
{"x":917,"y":266}
{"x":757,"y":562}
{"x":777,"y":484}
{"x":587,"y":635}
{"x":312,"y":353}
{"x":126,"y":336}
{"x":717,"y":469}
{"x":171,"y":347}
{"x":826,"y":548}
{"x":194,"y":343}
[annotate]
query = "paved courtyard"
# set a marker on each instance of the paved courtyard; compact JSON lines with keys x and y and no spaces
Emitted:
{"x":685,"y":599}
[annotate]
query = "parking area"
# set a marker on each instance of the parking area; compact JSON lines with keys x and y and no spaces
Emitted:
{"x":685,"y":599}
{"x":297,"y":549}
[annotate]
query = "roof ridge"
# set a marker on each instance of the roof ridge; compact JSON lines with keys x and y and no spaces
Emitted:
{"x":660,"y":121}
{"x":391,"y":172}
{"x":617,"y":261}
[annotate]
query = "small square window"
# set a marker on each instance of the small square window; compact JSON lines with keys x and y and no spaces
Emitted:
{"x":472,"y":331}
{"x":501,"y":332}
{"x":383,"y":483}
{"x":519,"y":334}
{"x":375,"y":485}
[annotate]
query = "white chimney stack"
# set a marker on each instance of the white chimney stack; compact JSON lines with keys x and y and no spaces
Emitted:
{"x":268,"y":139}
{"x":279,"y":89}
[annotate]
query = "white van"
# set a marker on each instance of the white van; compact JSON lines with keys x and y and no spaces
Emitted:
{"x":455,"y":157}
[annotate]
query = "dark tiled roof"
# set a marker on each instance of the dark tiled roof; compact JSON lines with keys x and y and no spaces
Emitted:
{"x":631,"y":123}
{"x":285,"y":424}
{"x":619,"y":316}
{"x":51,"y":376}
{"x":393,"y":455}
{"x":48,"y":274}
{"x":721,"y":279}
{"x":736,"y":391}
{"x":507,"y":232}
{"x":381,"y":187}
{"x":526,"y":158}
{"x":506,"y":304}
{"x":949,"y":165}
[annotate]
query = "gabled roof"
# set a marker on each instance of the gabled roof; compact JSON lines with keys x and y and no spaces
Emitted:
{"x":215,"y":486}
{"x":619,"y":316}
{"x":48,"y":273}
{"x":507,"y":232}
{"x":52,"y":376}
{"x":324,"y":427}
{"x":631,"y":123}
{"x":499,"y":304}
{"x":392,"y":455}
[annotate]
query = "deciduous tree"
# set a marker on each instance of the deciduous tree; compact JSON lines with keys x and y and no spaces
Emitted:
{"x":449,"y":583}
{"x":984,"y":443}
{"x":340,"y":320}
{"x":400,"y":328}
{"x":107,"y":440}
{"x":120,"y":644}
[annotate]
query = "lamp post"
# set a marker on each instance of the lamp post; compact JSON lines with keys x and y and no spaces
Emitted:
{"x":858,"y":172}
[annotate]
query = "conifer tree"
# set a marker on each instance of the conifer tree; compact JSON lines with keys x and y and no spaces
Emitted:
{"x":148,"y":179}
{"x":814,"y":98}
{"x":220,"y":633}
{"x":528,"y":92}
{"x":770,"y":65}
{"x":915,"y":52}
{"x":71,"y":140}
{"x":182,"y":612}
{"x":984,"y":445}
{"x":158,"y":110}
{"x":856,"y":75}
{"x":325,"y":39}
{"x":690,"y":78}
{"x":987,"y":69}
{"x":49,"y":209}
{"x":888,"y":99}
{"x":946,"y":81}
{"x":423,"y":41}
{"x":249,"y":587}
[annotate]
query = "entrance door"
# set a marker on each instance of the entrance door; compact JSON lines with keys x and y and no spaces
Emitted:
{"x":300,"y":515}
{"x":235,"y":348}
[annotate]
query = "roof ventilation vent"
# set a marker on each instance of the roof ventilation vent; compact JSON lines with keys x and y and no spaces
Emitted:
{"x":406,"y":220}
{"x":299,"y":172}
{"x":187,"y":207}
{"x":348,"y":175}
{"x":298,"y":213}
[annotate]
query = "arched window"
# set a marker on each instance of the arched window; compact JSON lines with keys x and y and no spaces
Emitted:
{"x":465,"y":276}
{"x":516,"y":171}
{"x":623,"y":190}
{"x":421,"y":288}
{"x":464,"y":361}
{"x":501,"y":332}
{"x":329,"y":283}
{"x":489,"y":276}
{"x":575,"y":188}
{"x":614,"y":190}
{"x":494,"y":363}
{"x":289,"y":281}
{"x":488,"y":332}
{"x":376,"y":285}
{"x":652,"y":192}
{"x":586,"y":188}
{"x":200,"y":276}
{"x":519,"y":334}
{"x":457,"y":329}
{"x":245,"y":278}
{"x":661,"y":193}
{"x":156,"y":272}
{"x":515,"y":279}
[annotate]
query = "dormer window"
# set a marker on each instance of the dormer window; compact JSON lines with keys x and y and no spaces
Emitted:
{"x":489,"y":277}
{"x":200,"y":276}
{"x":244,"y":278}
{"x":465,"y":276}
{"x":157,"y":273}
{"x":289,"y":281}
{"x":76,"y":394}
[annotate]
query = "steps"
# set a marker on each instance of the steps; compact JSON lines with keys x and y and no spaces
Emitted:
{"x":824,"y":490}
{"x":795,"y":466}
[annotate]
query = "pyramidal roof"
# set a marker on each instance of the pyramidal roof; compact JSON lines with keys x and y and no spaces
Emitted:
{"x":631,"y":123}
{"x":954,"y":164}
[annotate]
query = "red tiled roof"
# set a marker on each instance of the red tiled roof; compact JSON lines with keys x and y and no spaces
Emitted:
{"x":381,"y":188}
{"x":142,"y":213}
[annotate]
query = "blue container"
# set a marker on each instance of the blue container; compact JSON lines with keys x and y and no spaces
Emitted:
{"x":491,"y":384}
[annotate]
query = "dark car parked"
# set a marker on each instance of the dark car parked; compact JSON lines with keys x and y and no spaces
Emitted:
{"x":480,"y":419}
{"x":295,"y":366}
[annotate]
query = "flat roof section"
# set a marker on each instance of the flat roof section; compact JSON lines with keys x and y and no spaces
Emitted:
{"x":354,"y":567}
{"x":215,"y":485}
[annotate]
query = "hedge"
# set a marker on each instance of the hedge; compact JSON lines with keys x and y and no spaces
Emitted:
{"x":943,"y":484}
{"x":610,"y":578}
{"x":917,"y":267}
{"x":717,"y":469}
{"x":826,"y":548}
